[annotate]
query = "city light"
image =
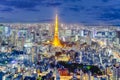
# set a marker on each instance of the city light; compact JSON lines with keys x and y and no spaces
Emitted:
{"x":81,"y":42}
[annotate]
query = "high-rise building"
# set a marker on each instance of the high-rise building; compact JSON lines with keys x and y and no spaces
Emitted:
{"x":116,"y":71}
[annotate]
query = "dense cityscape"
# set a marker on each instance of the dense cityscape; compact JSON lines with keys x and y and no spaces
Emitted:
{"x":56,"y":51}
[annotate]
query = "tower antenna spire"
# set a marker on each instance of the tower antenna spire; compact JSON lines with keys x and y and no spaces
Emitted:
{"x":56,"y":41}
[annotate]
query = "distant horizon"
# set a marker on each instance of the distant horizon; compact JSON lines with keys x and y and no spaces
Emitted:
{"x":59,"y":23}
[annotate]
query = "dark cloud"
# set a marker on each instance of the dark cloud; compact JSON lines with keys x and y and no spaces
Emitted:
{"x":21,"y":3}
{"x":110,"y":14}
{"x":32,"y":9}
{"x":96,"y":7}
{"x":105,"y":0}
{"x":6,"y":9}
{"x":74,"y":9}
{"x":53,"y":4}
{"x":72,"y":1}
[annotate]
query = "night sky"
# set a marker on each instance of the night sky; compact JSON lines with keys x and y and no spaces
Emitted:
{"x":69,"y":11}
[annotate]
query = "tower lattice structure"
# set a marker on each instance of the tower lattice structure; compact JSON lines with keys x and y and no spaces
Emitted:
{"x":56,"y":41}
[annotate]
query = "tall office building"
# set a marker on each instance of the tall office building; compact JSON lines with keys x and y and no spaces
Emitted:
{"x":116,"y":73}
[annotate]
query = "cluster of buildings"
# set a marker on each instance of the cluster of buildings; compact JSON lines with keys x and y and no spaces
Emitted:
{"x":32,"y":51}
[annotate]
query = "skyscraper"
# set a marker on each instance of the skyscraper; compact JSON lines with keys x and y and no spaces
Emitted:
{"x":116,"y":71}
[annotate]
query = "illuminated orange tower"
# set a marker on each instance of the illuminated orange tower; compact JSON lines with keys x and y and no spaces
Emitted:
{"x":56,"y":41}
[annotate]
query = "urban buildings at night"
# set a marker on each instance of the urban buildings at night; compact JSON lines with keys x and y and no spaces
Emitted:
{"x":59,"y":39}
{"x":72,"y":52}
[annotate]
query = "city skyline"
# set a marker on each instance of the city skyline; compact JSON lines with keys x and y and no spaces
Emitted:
{"x":59,"y":39}
{"x":98,"y":12}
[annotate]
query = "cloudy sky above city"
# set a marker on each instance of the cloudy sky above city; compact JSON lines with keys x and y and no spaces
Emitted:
{"x":69,"y":11}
